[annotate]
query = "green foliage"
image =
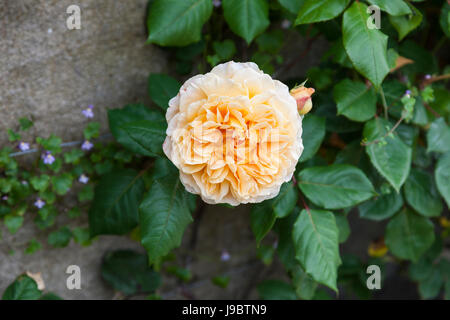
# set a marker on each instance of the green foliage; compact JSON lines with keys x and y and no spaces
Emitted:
{"x":389,"y":155}
{"x":442,"y":176}
{"x":116,"y":203}
{"x":164,"y":215}
{"x":377,"y":140}
{"x":409,"y":235}
{"x":131,"y":139}
{"x":320,"y":10}
{"x":246,"y":18}
{"x":24,"y":288}
{"x":355,"y":100}
{"x":60,"y":238}
{"x":162,"y":88}
{"x":422,"y":195}
{"x":438,"y":136}
{"x":312,"y":136}
{"x":276,"y":290}
{"x":168,"y":21}
{"x":404,"y":24}
{"x":316,"y":238}
{"x":361,"y":42}
{"x":335,"y":187}
{"x":128,"y":272}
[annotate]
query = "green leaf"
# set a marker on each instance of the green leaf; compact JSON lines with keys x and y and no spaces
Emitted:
{"x":61,"y":184}
{"x":406,"y":24}
{"x":285,"y":201}
{"x":320,"y":10}
{"x":82,"y":236}
{"x":369,"y":59}
{"x":24,"y":288}
{"x":409,"y":235}
{"x":116,"y":202}
{"x":343,"y":226}
{"x":338,"y":54}
{"x":265,"y":254}
{"x":442,"y":177}
{"x":162,"y":88}
{"x":13,"y":136}
{"x":33,"y":246}
{"x":382,"y":207}
{"x":73,"y":156}
{"x":276,"y":290}
{"x":285,"y":248}
{"x":25,"y":124}
{"x":221,"y":281}
{"x":40,"y":183}
{"x":225,"y":50}
{"x":128,"y":272}
{"x":86,"y":194}
{"x":131,"y":113}
{"x":262,"y":219}
{"x":438,"y":136}
{"x":164,"y":215}
{"x":177,"y":22}
{"x":430,"y":287}
{"x":355,"y":100}
{"x":60,"y":238}
{"x":13,"y":222}
{"x":52,"y":143}
{"x":393,"y":7}
{"x":422,"y":195}
{"x":336,"y":186}
{"x":305,"y":286}
{"x":293,"y":6}
{"x":392,"y":159}
{"x":246,"y":18}
{"x":149,"y":135}
{"x":92,"y":130}
{"x":316,"y":238}
{"x":444,"y":20}
{"x":182,"y":274}
{"x":312,"y":136}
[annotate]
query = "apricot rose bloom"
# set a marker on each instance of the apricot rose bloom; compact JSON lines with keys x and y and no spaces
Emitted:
{"x":234,"y":134}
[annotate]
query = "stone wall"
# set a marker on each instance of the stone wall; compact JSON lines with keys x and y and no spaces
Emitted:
{"x":50,"y":73}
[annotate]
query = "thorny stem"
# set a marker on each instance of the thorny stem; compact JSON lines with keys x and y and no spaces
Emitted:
{"x":304,"y":203}
{"x":383,"y":100}
{"x":434,"y":79}
{"x":365,"y":144}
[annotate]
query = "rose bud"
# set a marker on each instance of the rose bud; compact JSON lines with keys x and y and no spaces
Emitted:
{"x":302,"y":96}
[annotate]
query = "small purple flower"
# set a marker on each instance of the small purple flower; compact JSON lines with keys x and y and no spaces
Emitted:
{"x":39,"y":203}
{"x":217,"y":3}
{"x":408,"y":92}
{"x":5,"y":197}
{"x":88,"y":113}
{"x":428,"y":76}
{"x":83,"y":179}
{"x":25,"y":183}
{"x":48,"y":158}
{"x":225,"y":256}
{"x":23,"y":146}
{"x":87,"y":145}
{"x":285,"y":24}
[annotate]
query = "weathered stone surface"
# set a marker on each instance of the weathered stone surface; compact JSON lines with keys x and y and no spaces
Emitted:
{"x":50,"y":73}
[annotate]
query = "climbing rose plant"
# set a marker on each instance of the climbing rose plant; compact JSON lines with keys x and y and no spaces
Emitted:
{"x":372,"y":142}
